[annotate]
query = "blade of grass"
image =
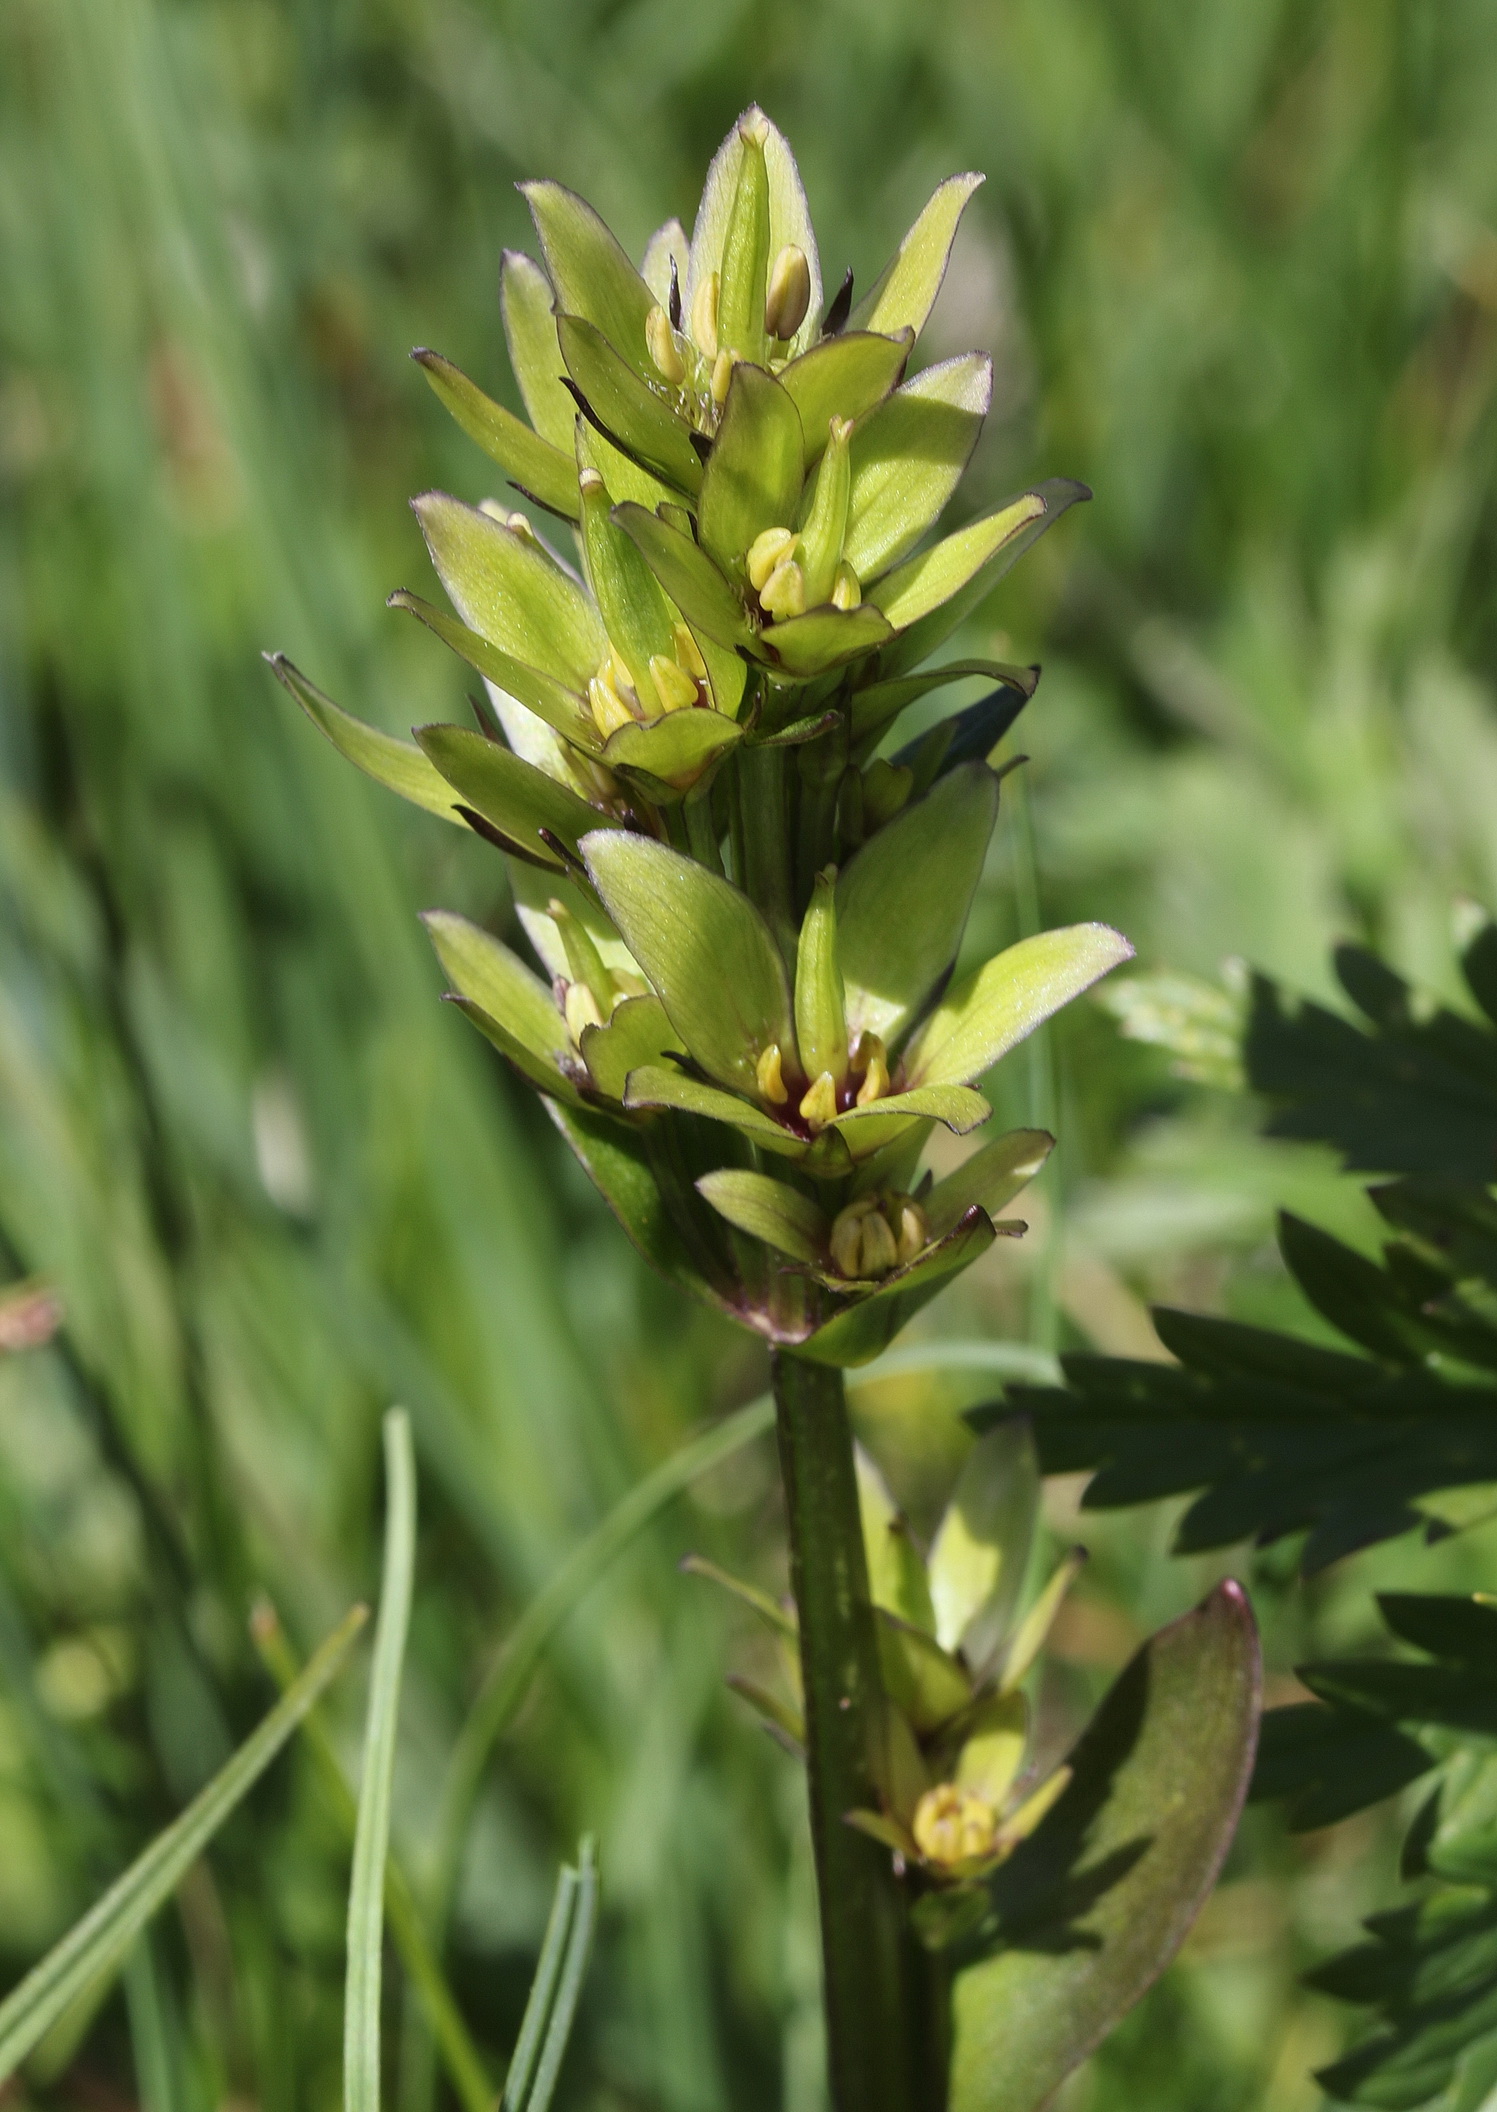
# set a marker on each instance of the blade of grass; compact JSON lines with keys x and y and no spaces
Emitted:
{"x":149,"y":2036}
{"x":366,"y":1892}
{"x":574,"y":1968}
{"x":101,"y":1939}
{"x":465,"y":2067}
{"x":542,"y":1988}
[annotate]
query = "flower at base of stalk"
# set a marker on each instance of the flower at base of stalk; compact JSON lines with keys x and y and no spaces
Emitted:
{"x":877,"y":1233}
{"x":953,"y":1825}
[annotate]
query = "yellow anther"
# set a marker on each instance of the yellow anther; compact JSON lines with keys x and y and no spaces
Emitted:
{"x":673,"y":685}
{"x":771,"y":1076}
{"x":722,"y":374}
{"x":819,"y":1103}
{"x":847,"y":593}
{"x":847,"y":1245}
{"x":789,"y":293}
{"x":661,"y":340}
{"x":589,"y":481}
{"x":765,"y":552}
{"x":581,"y":1009}
{"x":704,"y":315}
{"x":912,"y":1233}
{"x":953,"y":1826}
{"x":610,"y":712}
{"x":783,"y":594}
{"x":688,"y":653}
{"x":880,"y":1254}
{"x":869,"y":1057}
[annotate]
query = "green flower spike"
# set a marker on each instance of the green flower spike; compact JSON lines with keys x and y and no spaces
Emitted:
{"x":743,"y":905}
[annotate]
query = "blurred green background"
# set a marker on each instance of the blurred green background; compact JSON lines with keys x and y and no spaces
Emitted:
{"x":1238,"y":268}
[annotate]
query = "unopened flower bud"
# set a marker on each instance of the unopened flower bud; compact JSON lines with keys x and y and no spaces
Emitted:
{"x":870,"y":1059}
{"x":819,"y":1103}
{"x":675,"y":688}
{"x":661,"y":340}
{"x":911,"y":1232}
{"x":581,"y":1009}
{"x":783,"y":594}
{"x":880,"y":1254}
{"x":847,"y":593}
{"x":789,"y":293}
{"x":886,"y":787}
{"x":771,"y":1076}
{"x":765,"y":552}
{"x":722,"y":374}
{"x":953,"y":1826}
{"x":589,"y":481}
{"x":846,"y":1240}
{"x":753,"y":127}
{"x":704,"y":315}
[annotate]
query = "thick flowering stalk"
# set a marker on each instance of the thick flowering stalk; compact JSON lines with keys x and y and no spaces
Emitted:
{"x":745,"y":898}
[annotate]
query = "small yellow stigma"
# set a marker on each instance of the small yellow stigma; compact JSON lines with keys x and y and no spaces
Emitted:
{"x":704,"y":315}
{"x":771,"y":1076}
{"x":765,"y":552}
{"x":789,"y":293}
{"x":675,"y":688}
{"x":661,"y":341}
{"x":783,"y":594}
{"x":819,"y":1103}
{"x":722,"y":374}
{"x":953,"y":1826}
{"x":869,"y":1057}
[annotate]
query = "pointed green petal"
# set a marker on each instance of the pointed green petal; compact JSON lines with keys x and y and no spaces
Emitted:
{"x":638,"y":619}
{"x":866,"y":1130}
{"x":1024,"y":1645}
{"x":993,"y":1751}
{"x":766,"y":1209}
{"x":689,"y":577}
{"x":534,"y":891}
{"x":863,"y":1331}
{"x":707,"y":951}
{"x":512,"y":796}
{"x":896,"y":1573}
{"x":746,"y":250}
{"x":626,"y":407}
{"x":663,"y":1085}
{"x":820,"y":1009}
{"x":549,"y":699}
{"x":939,"y":588}
{"x":668,"y":243}
{"x":616,"y":1159}
{"x":540,"y":469}
{"x":789,"y":218}
{"x":669,"y":755}
{"x":842,"y":377}
{"x":638,"y":1033}
{"x":992,"y":1177}
{"x":919,"y":1677}
{"x":511,"y":1007}
{"x":807,"y":646}
{"x":908,"y":458}
{"x":903,"y":899}
{"x":397,"y":765}
{"x":904,"y":292}
{"x":981,"y":1549}
{"x":875,"y":708}
{"x":530,"y":333}
{"x":983,"y":1017}
{"x":753,"y":475}
{"x":510,"y":591}
{"x":625,"y":478}
{"x":538,"y":1071}
{"x":589,"y":271}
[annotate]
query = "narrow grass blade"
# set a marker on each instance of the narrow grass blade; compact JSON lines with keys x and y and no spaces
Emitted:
{"x":366,"y":1895}
{"x":548,"y":1969}
{"x":104,"y":1935}
{"x":150,"y":2037}
{"x":573,"y":1971}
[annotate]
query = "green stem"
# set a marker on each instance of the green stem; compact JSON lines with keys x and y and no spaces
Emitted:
{"x":863,"y":1942}
{"x":766,"y":841}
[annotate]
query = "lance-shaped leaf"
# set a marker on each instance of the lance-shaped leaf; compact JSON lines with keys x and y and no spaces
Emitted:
{"x":689,"y":577}
{"x":671,"y":753}
{"x":991,"y":1178}
{"x":865,"y":1330}
{"x":1008,"y":997}
{"x":525,"y":300}
{"x":589,"y":271}
{"x":904,"y":292}
{"x":908,"y":458}
{"x":967,"y":736}
{"x":1097,"y":1902}
{"x":663,"y":1085}
{"x":560,"y":707}
{"x":903,"y":899}
{"x":806,"y":646}
{"x":638,"y":1033}
{"x":708,"y":953}
{"x":624,"y":406}
{"x":789,"y":216}
{"x":766,"y":1209}
{"x":865,"y":1130}
{"x":616,"y":1159}
{"x":896,"y":1571}
{"x":743,"y":273}
{"x":536,"y":466}
{"x":878,"y":704}
{"x":484,"y":972}
{"x":936,"y":590}
{"x":512,"y":796}
{"x":842,"y":377}
{"x":919,"y":1677}
{"x":397,"y":765}
{"x":993,"y":1750}
{"x":753,"y":476}
{"x":981,"y":1549}
{"x":509,"y":590}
